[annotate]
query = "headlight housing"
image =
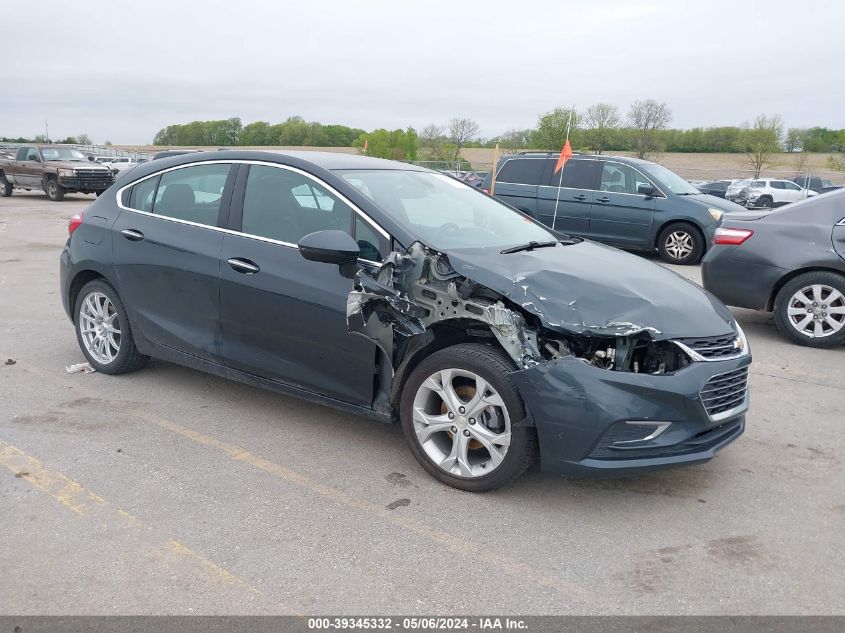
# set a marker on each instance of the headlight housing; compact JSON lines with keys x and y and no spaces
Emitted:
{"x":716,"y":214}
{"x":66,"y":173}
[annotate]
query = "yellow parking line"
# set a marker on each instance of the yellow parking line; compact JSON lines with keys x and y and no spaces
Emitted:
{"x":83,"y":502}
{"x":455,"y":543}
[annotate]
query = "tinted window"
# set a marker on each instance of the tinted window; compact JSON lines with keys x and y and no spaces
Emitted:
{"x":576,"y":174}
{"x":284,"y":205}
{"x":790,"y":185}
{"x":192,"y":193}
{"x":142,"y":194}
{"x":758,"y":184}
{"x":31,"y":154}
{"x":523,"y":171}
{"x":617,"y":178}
{"x":775,"y":184}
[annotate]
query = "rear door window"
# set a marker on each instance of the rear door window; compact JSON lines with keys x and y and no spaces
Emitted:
{"x":142,"y":195}
{"x":577,"y":174}
{"x":522,"y":171}
{"x":618,"y":178}
{"x":193,"y":194}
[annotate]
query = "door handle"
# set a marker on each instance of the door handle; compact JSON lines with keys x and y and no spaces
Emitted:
{"x":243,"y":266}
{"x":580,"y":197}
{"x":132,"y":235}
{"x":603,"y":199}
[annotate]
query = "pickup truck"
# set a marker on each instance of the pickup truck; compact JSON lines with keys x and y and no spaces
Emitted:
{"x":54,"y":168}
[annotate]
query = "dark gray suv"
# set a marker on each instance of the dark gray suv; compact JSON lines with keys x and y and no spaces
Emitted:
{"x":625,"y":202}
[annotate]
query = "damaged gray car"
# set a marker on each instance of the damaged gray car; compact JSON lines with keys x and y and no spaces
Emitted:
{"x":399,"y":293}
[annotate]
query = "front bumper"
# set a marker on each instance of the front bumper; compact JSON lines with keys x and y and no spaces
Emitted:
{"x":76,"y":183}
{"x":581,"y":414}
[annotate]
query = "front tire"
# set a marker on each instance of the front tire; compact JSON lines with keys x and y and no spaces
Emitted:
{"x":765,"y":202}
{"x":680,"y":243}
{"x":5,"y":187}
{"x":462,"y":418}
{"x":103,"y":331}
{"x":55,"y":191}
{"x":810,"y":309}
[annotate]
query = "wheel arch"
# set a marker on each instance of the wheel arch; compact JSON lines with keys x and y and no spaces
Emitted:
{"x":780,"y":283}
{"x":439,"y":336}
{"x":76,"y":284}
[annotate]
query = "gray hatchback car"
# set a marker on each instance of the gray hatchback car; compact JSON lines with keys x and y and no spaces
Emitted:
{"x":625,"y":202}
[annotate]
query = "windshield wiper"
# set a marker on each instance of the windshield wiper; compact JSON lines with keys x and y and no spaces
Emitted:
{"x":528,"y":247}
{"x":691,"y":193}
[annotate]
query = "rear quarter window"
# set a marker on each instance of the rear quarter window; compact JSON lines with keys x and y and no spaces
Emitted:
{"x":522,"y":171}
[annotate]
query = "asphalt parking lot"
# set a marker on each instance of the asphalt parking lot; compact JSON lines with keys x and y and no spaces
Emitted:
{"x":171,"y":491}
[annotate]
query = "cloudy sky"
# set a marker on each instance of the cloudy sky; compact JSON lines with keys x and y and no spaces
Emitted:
{"x":121,"y":71}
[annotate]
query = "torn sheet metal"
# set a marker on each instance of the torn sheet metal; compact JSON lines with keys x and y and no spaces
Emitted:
{"x":412,"y":291}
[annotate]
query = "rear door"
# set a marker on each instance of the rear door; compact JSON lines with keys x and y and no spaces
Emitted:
{"x":620,"y":215}
{"x":283,"y":317}
{"x":167,"y":248}
{"x":518,"y":180}
{"x":564,"y":198}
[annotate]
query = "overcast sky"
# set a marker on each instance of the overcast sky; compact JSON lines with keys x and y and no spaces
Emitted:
{"x":121,"y":71}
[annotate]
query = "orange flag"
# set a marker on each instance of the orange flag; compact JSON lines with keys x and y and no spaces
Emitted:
{"x":565,"y":155}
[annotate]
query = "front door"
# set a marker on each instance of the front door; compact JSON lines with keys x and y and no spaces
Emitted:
{"x":565,"y":199}
{"x":621,"y":216}
{"x":283,"y":317}
{"x":167,"y":254}
{"x":29,"y":168}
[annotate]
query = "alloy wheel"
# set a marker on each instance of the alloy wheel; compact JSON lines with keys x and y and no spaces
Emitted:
{"x":679,"y":244}
{"x":461,"y":423}
{"x":817,"y":311}
{"x":99,"y":326}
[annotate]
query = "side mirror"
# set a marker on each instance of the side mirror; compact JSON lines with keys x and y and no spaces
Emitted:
{"x":645,"y":190}
{"x":91,"y":158}
{"x":329,"y":247}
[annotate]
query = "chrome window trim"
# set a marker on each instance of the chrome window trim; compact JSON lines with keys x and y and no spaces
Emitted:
{"x":332,"y":190}
{"x":841,"y":222}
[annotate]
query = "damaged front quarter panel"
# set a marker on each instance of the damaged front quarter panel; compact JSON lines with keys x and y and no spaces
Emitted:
{"x":412,"y":291}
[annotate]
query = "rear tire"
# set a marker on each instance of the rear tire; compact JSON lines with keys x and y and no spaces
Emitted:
{"x":797,"y":318}
{"x":435,"y":431}
{"x":5,"y":187}
{"x":680,"y":243}
{"x":103,"y":331}
{"x":55,"y":191}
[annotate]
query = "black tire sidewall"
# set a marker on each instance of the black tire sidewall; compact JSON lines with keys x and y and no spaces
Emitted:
{"x":523,"y":439}
{"x":59,"y":193}
{"x":5,"y":187}
{"x":781,"y":305}
{"x":697,"y":242}
{"x":767,"y":199}
{"x":127,"y":344}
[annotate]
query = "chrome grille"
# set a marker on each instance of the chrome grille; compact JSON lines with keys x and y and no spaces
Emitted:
{"x":724,"y":392}
{"x":714,"y":347}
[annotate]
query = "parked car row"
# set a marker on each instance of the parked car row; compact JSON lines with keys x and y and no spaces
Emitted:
{"x":620,"y":201}
{"x":766,"y":192}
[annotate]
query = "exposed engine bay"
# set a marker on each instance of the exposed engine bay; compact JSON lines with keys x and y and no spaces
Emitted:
{"x":400,"y":299}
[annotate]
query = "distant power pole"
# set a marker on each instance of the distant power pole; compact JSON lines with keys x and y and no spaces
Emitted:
{"x":46,"y":130}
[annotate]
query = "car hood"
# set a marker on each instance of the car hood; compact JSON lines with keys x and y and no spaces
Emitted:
{"x":594,"y":289}
{"x":721,"y":204}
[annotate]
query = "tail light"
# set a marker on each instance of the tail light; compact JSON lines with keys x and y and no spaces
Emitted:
{"x":74,"y":223}
{"x":732,"y":236}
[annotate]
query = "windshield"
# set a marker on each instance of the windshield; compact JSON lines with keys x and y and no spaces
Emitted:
{"x":62,"y":153}
{"x":443,"y":212}
{"x":667,"y":179}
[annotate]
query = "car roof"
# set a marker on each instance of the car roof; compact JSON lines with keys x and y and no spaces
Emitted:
{"x":576,"y":156}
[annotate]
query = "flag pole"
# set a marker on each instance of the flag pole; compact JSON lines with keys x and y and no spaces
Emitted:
{"x":560,"y":181}
{"x":493,"y":171}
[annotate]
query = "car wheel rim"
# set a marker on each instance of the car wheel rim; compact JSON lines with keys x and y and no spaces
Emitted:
{"x":461,"y":423}
{"x":817,"y":311}
{"x":99,"y":326}
{"x":679,"y":244}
